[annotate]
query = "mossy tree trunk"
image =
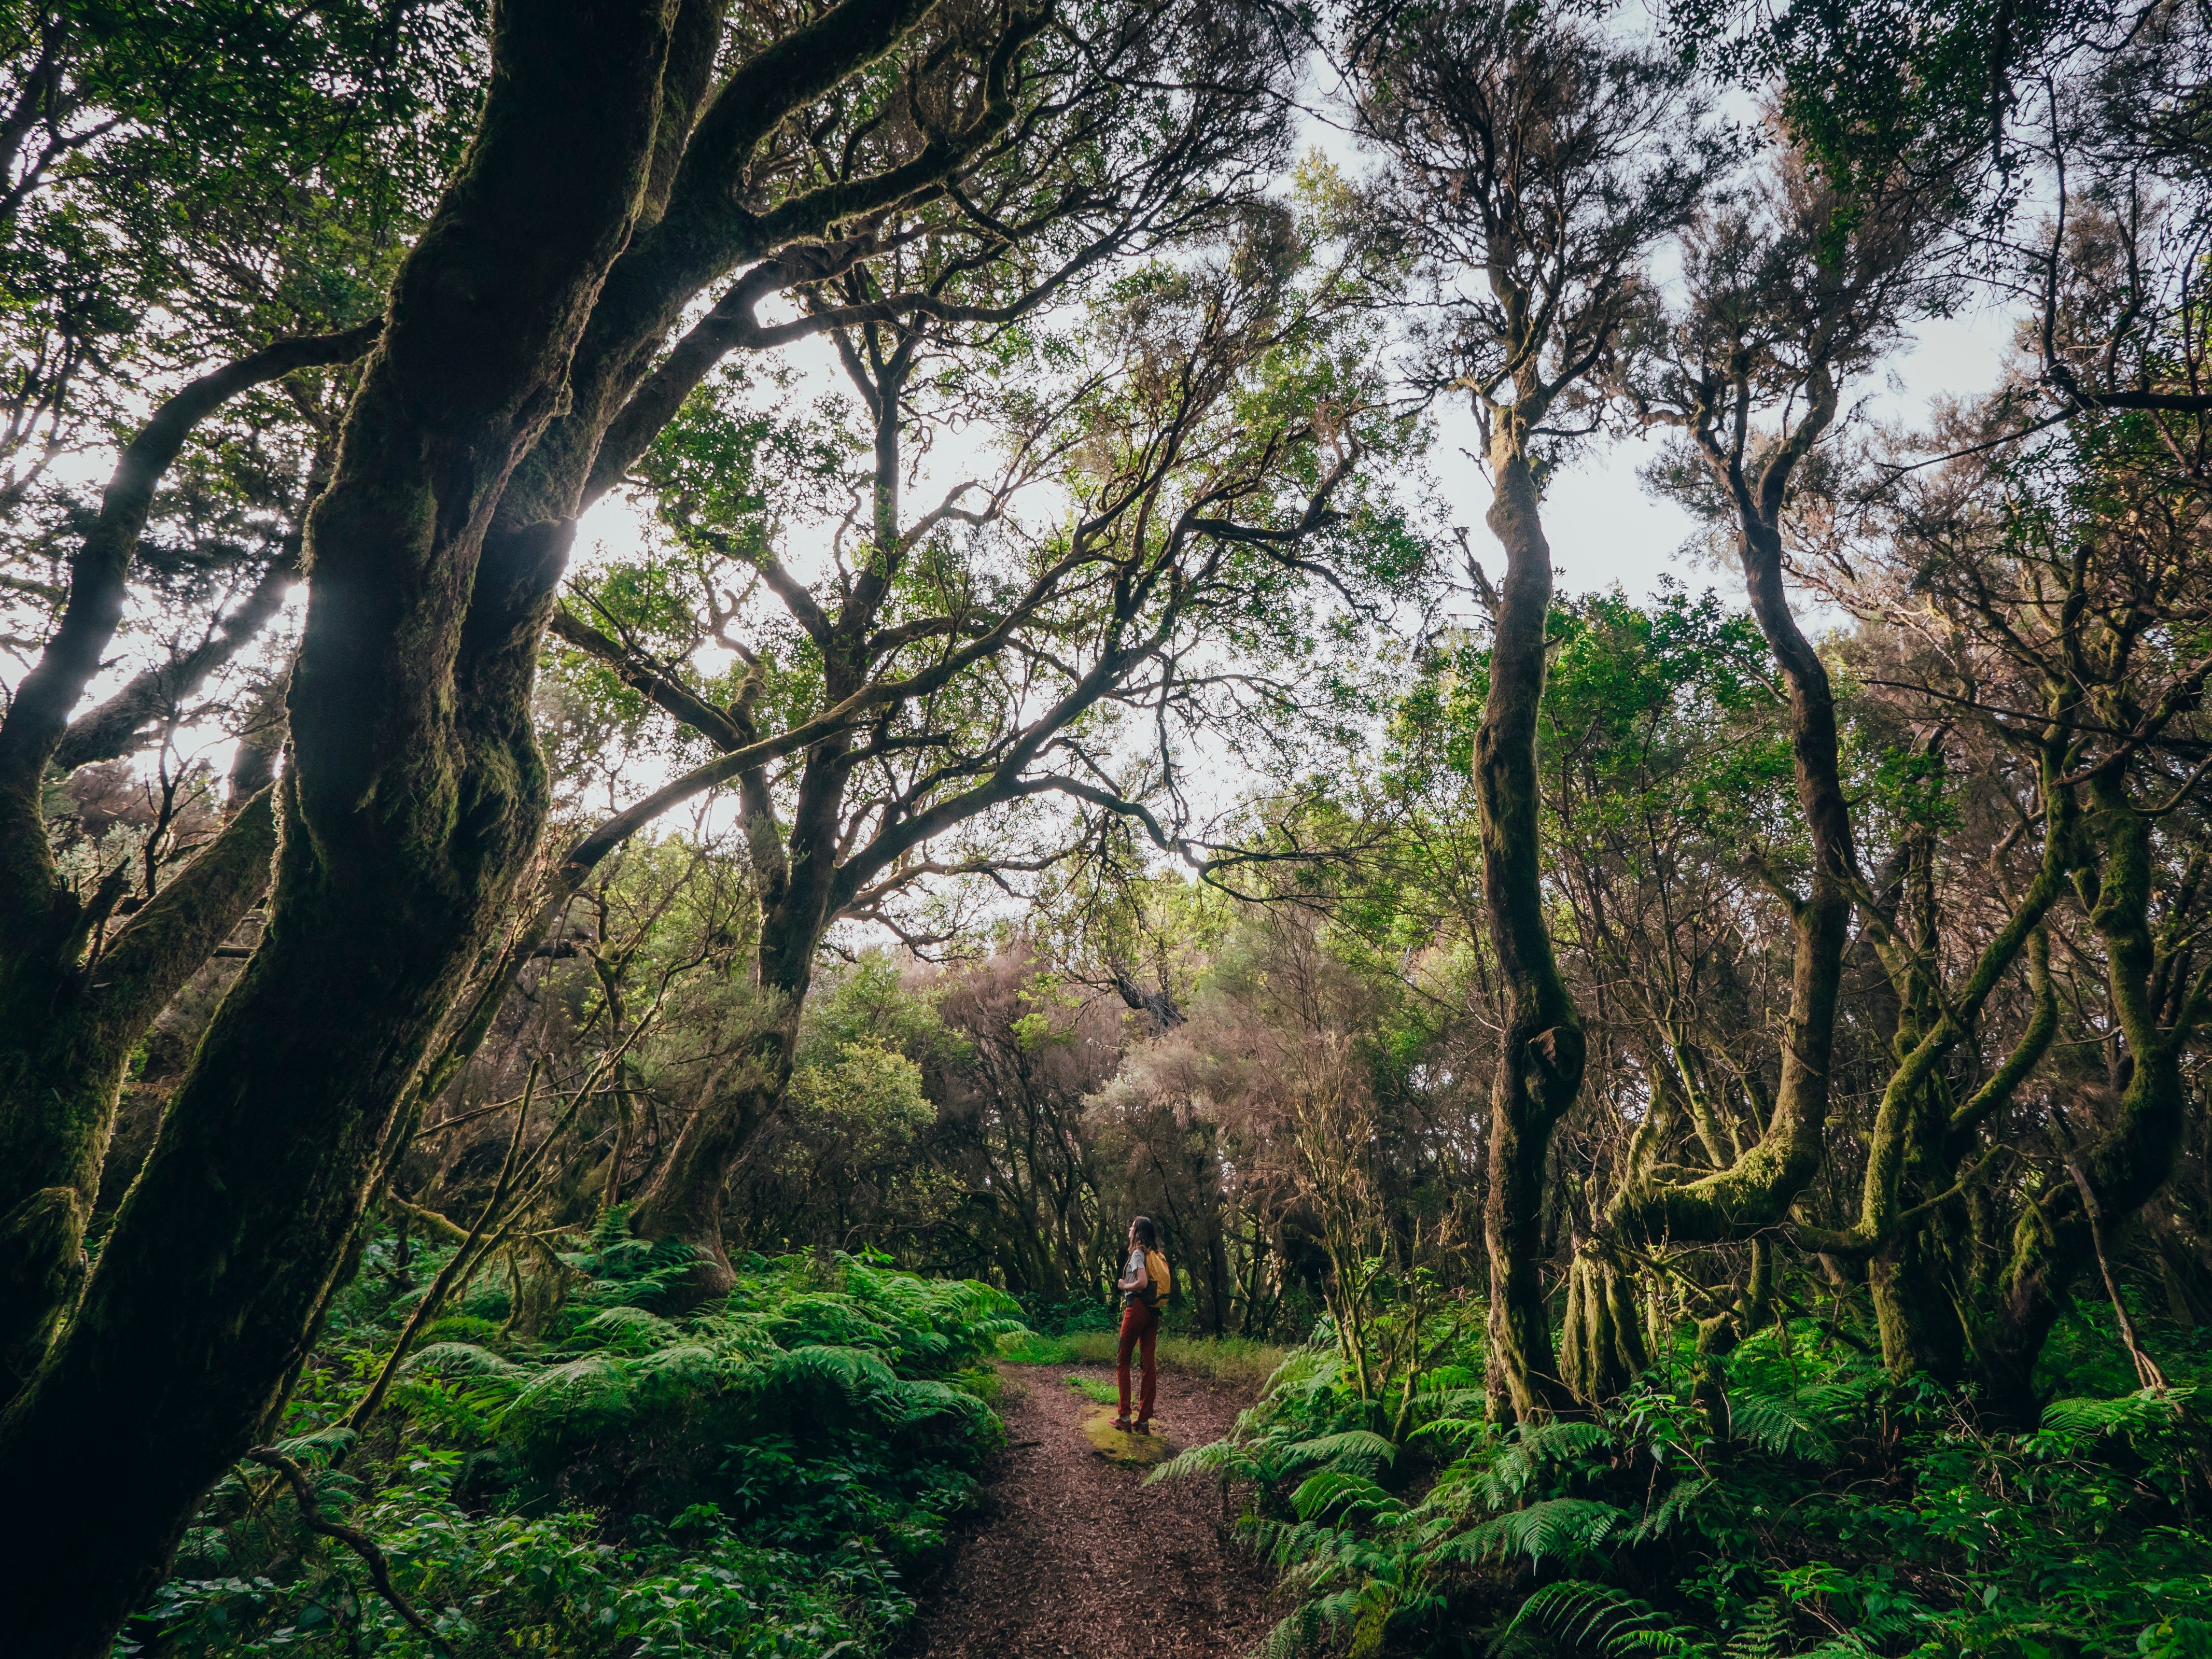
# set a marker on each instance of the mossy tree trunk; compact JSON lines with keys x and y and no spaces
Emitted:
{"x":2125,"y":1160}
{"x":1540,"y":1051}
{"x":1753,"y":1190}
{"x":1555,"y":202}
{"x":415,"y":796}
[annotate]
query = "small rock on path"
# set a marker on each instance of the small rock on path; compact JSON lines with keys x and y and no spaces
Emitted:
{"x":1077,"y":1559}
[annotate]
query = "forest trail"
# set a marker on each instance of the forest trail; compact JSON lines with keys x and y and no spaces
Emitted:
{"x":1078,"y":1559}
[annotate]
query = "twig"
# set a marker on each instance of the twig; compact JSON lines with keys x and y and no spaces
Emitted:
{"x":463,"y":1262}
{"x":311,"y":1516}
{"x":2146,"y":1370}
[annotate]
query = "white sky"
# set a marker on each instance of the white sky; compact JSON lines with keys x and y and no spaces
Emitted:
{"x":1605,"y":528}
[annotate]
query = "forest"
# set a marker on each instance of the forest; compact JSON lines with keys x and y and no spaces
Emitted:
{"x":692,"y":688}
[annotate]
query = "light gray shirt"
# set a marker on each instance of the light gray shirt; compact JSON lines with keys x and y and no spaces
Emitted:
{"x":1135,"y":1271}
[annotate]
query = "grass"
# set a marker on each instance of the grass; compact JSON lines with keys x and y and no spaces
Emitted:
{"x":1139,"y":1451}
{"x":1028,"y":1348}
{"x":1102,"y":1393}
{"x":1235,"y":1360}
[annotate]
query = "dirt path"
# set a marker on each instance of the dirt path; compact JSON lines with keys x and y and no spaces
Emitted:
{"x":1075,"y":1557}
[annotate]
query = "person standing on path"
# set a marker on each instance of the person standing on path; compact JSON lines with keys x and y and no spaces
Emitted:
{"x":1144,"y":1284}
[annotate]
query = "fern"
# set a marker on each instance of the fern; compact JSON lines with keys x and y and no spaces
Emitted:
{"x":2129,"y":1414}
{"x":1555,"y":1440}
{"x":459,"y":1359}
{"x":1453,"y":1428}
{"x":1224,"y":1459}
{"x":621,"y":1270}
{"x":1558,"y":1529}
{"x":1450,"y":1379}
{"x":630,"y":1329}
{"x":1358,"y":1450}
{"x":1609,"y":1622}
{"x":1680,"y":1499}
{"x":1535,"y":1448}
{"x":321,"y":1449}
{"x":1765,"y":1633}
{"x":1780,"y":1426}
{"x":1351,"y":1496}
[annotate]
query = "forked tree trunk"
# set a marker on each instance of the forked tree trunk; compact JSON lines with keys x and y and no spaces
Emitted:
{"x":1540,"y":1052}
{"x":415,"y":797}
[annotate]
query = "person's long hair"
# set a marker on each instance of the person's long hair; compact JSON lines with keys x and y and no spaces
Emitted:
{"x":1148,"y":1235}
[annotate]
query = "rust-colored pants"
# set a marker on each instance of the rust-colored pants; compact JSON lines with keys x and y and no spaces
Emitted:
{"x":1139,"y":1324}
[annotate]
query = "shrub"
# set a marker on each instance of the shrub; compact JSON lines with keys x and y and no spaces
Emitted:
{"x":1851,"y":1514}
{"x":763,"y":1477}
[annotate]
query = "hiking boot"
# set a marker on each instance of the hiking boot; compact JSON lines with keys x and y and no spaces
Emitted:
{"x":1122,"y":1425}
{"x":1143,"y":1426}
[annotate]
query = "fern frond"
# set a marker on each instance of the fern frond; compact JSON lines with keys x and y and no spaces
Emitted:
{"x":1332,"y":1488}
{"x":918,"y":1402}
{"x":1451,"y":1428}
{"x":1764,"y":1633}
{"x":630,"y":1329}
{"x":1450,"y":1379}
{"x":1667,"y":1513}
{"x":855,"y":1372}
{"x":1780,"y":1426}
{"x":1555,"y":1440}
{"x":321,"y":1449}
{"x":2146,"y":1408}
{"x":460,"y":1359}
{"x":1608,"y":1621}
{"x":1555,"y":1529}
{"x":1356,"y":1450}
{"x":1223,"y":1458}
{"x":580,"y":1398}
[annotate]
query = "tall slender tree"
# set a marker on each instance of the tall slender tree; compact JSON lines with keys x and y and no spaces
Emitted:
{"x":1536,"y":167}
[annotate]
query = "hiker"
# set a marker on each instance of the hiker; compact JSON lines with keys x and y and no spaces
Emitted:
{"x":1144,"y":1284}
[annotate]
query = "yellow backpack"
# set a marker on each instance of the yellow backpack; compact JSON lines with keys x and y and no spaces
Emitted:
{"x":1160,"y":1280}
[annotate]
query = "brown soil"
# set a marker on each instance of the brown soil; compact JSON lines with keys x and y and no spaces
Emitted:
{"x":1077,"y":1558}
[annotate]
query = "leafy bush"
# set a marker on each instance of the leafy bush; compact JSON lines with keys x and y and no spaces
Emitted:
{"x":761,"y":1478}
{"x":1847,"y":1514}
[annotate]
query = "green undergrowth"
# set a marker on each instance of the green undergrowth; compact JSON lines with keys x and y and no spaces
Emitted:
{"x":1100,"y":1393}
{"x":1232,"y":1360}
{"x":766,"y":1477}
{"x":1845,"y":1516}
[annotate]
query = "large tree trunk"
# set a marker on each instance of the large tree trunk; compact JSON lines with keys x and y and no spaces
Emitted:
{"x":1541,"y":1053}
{"x":415,"y":796}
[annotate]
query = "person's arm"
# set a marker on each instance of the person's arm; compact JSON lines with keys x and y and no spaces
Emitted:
{"x":1135,"y":1278}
